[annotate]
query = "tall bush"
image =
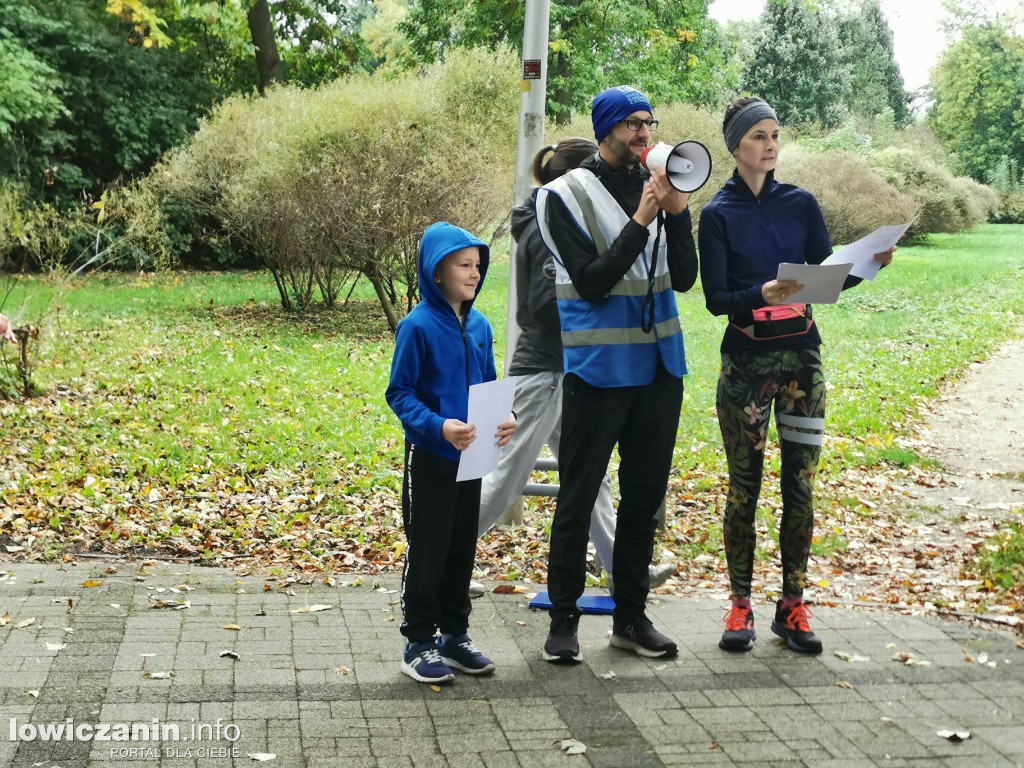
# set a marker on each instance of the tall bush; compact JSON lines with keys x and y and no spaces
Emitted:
{"x":342,"y":180}
{"x":855,"y":199}
{"x":946,"y":204}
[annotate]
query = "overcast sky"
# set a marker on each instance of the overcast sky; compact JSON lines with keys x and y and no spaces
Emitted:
{"x":917,"y":39}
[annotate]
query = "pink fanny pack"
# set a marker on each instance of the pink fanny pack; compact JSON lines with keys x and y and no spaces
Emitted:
{"x":775,"y":322}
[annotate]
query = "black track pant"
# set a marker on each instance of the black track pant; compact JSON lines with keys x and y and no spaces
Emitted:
{"x":440,"y":517}
{"x":643,"y":422}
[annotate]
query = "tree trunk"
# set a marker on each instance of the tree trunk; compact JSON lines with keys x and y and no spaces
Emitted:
{"x":562,"y":95}
{"x":389,"y":310}
{"x":261,"y":27}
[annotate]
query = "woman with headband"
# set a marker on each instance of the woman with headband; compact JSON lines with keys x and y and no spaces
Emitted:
{"x":771,"y":360}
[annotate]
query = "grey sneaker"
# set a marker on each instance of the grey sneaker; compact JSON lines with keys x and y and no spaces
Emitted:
{"x":476,"y":588}
{"x":659,"y":574}
{"x":656,"y":574}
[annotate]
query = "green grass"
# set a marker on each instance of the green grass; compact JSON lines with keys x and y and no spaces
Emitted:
{"x":201,"y":383}
{"x":1002,"y":559}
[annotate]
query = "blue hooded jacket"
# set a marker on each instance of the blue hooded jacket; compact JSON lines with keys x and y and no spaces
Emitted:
{"x":436,"y":356}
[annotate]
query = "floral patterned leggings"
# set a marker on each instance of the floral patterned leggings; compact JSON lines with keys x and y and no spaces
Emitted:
{"x":748,"y":387}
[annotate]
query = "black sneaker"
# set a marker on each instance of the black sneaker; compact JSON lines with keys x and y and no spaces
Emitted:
{"x":791,"y":625}
{"x":640,"y":636}
{"x":739,"y":632}
{"x":562,"y":645}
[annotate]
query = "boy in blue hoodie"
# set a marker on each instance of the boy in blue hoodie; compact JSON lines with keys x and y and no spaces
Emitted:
{"x":441,"y":348}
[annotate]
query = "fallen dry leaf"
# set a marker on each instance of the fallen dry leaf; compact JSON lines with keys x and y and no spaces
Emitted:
{"x":510,"y":589}
{"x":910,"y":659}
{"x":435,"y":688}
{"x":954,"y":735}
{"x":56,"y":646}
{"x":5,"y":619}
{"x":844,"y":684}
{"x":92,"y":583}
{"x":853,"y":658}
{"x":609,"y":675}
{"x":230,"y":655}
{"x":571,"y":746}
{"x":158,"y":675}
{"x":343,"y":670}
{"x":33,"y":693}
{"x":232,"y":627}
{"x":26,"y":623}
{"x":312,"y":608}
{"x":262,"y":757}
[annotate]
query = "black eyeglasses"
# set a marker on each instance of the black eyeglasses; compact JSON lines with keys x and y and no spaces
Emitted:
{"x":634,"y":124}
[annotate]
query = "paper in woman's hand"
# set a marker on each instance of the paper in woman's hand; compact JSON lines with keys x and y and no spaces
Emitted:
{"x":822,"y":282}
{"x":861,"y":253}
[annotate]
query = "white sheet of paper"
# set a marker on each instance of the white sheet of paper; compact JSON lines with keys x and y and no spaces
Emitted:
{"x":861,"y":253}
{"x":822,"y":282}
{"x":490,"y":404}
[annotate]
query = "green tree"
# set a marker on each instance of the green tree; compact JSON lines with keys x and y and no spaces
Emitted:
{"x":978,"y":92}
{"x":27,"y":91}
{"x":670,"y":49}
{"x":102,"y":108}
{"x":797,"y":65}
{"x":876,"y":85}
{"x":320,"y":40}
{"x":383,"y":35}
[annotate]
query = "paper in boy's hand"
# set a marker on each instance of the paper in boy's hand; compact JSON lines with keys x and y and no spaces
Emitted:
{"x":490,"y":404}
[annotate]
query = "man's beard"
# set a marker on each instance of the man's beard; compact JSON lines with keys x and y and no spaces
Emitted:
{"x":621,"y":152}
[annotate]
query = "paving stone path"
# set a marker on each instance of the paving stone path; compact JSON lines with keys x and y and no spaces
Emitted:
{"x":322,"y":687}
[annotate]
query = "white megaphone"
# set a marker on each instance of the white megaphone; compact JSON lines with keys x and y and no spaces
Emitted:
{"x":687,"y":164}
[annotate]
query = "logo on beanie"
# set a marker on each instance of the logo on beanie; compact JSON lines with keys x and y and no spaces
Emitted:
{"x":633,"y":96}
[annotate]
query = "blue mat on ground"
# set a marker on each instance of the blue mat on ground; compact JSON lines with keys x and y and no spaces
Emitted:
{"x":600,"y":604}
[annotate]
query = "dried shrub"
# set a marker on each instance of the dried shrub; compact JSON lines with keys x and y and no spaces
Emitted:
{"x":977,"y":201}
{"x":342,"y":180}
{"x":854,"y":198}
{"x":946,"y":204}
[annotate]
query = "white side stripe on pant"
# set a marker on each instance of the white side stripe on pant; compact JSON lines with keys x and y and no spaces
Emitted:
{"x":807,"y":430}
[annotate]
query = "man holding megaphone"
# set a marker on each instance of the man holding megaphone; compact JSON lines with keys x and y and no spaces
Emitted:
{"x":622,"y":243}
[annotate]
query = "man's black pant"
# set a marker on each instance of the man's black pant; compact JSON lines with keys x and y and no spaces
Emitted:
{"x":440,"y":517}
{"x":643,"y":422}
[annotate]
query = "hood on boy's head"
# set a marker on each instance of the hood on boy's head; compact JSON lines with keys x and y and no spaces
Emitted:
{"x":438,"y":241}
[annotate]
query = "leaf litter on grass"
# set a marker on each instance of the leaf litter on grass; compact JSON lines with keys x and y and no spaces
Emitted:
{"x":194,"y":445}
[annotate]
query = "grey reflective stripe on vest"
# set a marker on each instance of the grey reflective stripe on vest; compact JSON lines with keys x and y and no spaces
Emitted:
{"x":624,"y":287}
{"x":589,"y":215}
{"x":595,"y":336}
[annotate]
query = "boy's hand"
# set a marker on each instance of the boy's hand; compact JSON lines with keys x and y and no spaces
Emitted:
{"x":458,"y":433}
{"x":505,"y":430}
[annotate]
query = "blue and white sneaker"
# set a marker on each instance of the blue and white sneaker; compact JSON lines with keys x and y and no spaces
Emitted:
{"x":423,"y":663}
{"x":459,"y":653}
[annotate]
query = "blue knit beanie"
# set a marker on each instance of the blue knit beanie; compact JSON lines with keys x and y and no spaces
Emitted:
{"x":614,"y":104}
